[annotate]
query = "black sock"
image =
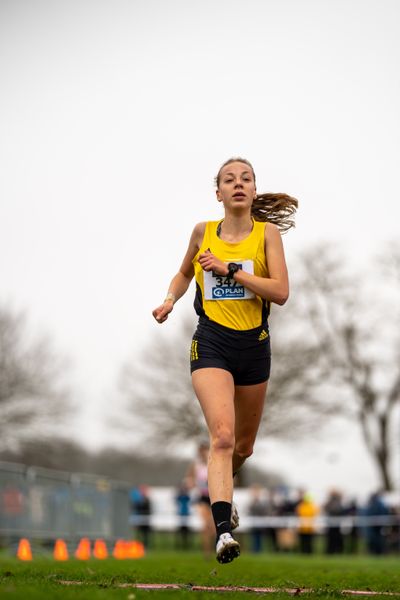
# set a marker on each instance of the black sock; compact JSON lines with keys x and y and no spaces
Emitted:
{"x":222,"y":517}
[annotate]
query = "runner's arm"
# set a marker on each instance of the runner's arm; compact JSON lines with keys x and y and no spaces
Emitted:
{"x":181,"y":281}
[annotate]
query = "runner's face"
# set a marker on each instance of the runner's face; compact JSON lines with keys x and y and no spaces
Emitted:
{"x":237,"y":188}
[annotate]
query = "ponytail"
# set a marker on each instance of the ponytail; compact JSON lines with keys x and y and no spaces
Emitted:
{"x":275,"y":208}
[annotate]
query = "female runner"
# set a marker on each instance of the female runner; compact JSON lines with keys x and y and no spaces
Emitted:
{"x":239,"y":267}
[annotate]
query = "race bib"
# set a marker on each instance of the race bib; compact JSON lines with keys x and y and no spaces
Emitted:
{"x":217,"y":287}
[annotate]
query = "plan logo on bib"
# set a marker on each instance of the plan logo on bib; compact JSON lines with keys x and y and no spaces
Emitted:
{"x":228,"y":291}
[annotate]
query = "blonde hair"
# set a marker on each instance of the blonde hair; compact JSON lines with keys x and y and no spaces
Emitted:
{"x":276,"y":208}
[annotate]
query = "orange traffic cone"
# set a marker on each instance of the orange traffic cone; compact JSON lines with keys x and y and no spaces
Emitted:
{"x":100,"y":549}
{"x":83,"y":550}
{"x":60,"y":550}
{"x":134,"y":549}
{"x":119,"y":551}
{"x":24,"y":551}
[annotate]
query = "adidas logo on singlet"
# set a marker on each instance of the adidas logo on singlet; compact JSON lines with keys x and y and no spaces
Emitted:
{"x":263,"y":335}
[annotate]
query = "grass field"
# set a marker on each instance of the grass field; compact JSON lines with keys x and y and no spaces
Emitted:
{"x":112,"y":579}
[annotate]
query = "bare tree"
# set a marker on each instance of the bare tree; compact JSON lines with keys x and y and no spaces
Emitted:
{"x":359,"y":360}
{"x":30,"y":396}
{"x":294,"y":378}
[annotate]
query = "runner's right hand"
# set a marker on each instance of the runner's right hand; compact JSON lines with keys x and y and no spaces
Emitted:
{"x":161,"y":313}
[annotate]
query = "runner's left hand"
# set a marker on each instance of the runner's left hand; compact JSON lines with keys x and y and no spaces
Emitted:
{"x":209,"y":262}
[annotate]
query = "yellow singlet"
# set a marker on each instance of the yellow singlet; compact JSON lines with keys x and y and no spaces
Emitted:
{"x":221,"y":299}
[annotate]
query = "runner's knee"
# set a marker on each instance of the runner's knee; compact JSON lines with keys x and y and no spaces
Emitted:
{"x":244,"y":448}
{"x":223,"y":441}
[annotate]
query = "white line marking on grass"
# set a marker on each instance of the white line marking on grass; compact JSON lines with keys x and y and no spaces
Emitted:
{"x":208,"y":588}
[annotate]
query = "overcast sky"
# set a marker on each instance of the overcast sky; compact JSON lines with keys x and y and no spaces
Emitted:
{"x":114,"y":119}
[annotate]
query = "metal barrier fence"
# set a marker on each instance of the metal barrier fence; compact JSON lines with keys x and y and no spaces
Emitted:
{"x":170,"y":522}
{"x":47,"y":504}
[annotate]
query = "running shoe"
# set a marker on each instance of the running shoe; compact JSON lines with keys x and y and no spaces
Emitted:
{"x":234,"y":517}
{"x":227,"y":548}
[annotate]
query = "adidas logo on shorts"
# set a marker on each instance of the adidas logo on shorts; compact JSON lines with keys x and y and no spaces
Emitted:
{"x":263,"y":336}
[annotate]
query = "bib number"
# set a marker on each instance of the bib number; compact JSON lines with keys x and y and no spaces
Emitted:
{"x":217,"y":287}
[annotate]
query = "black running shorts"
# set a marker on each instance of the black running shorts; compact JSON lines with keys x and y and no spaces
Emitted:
{"x":245,"y":354}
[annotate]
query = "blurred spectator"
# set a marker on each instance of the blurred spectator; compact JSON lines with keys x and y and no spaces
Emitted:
{"x":272,"y":511}
{"x":375,"y":533}
{"x":353,"y":536}
{"x":141,"y":510}
{"x":334,"y":509}
{"x":393,"y":532}
{"x":183,"y":500}
{"x":258,"y":507}
{"x":290,"y":500}
{"x":198,"y":479}
{"x":307,"y":510}
{"x":285,"y":504}
{"x":12,"y":505}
